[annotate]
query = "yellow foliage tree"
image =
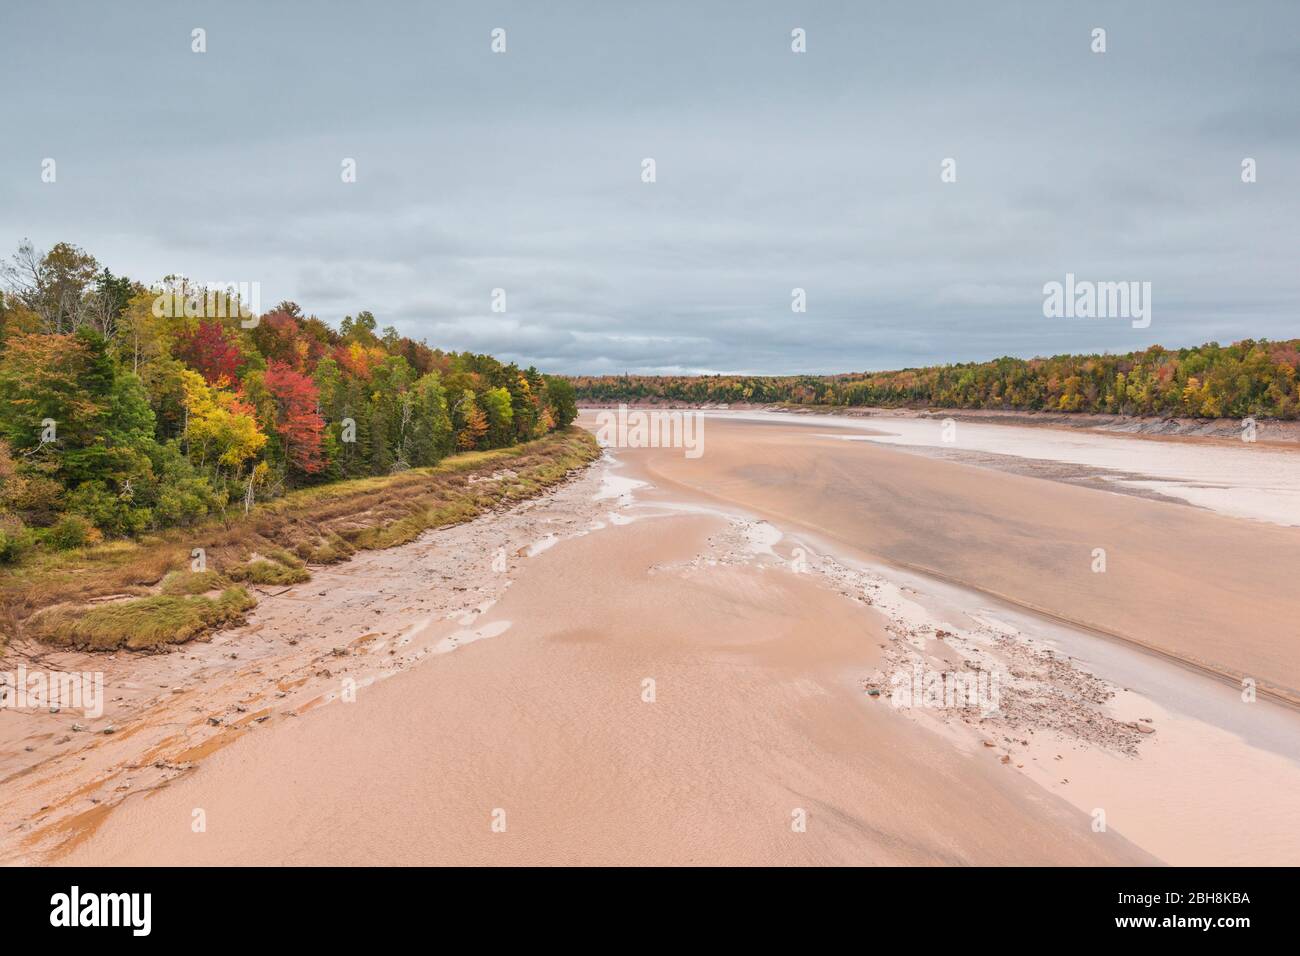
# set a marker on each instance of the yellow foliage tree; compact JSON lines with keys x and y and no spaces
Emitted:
{"x":218,"y":426}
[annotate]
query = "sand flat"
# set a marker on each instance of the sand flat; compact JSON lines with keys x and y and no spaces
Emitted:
{"x":1253,"y":480}
{"x":1211,"y":589}
{"x":756,"y":716}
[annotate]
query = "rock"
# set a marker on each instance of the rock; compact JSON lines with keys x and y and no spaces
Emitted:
{"x":78,"y":728}
{"x":110,"y":729}
{"x":1005,"y":759}
{"x":63,"y":740}
{"x":215,"y":721}
{"x":340,"y":652}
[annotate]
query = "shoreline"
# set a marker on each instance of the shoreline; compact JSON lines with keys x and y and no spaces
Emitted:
{"x":1284,"y":433}
{"x":166,"y":712}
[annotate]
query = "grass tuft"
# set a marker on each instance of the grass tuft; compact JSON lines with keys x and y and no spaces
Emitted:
{"x":192,"y":582}
{"x":277,"y":568}
{"x":143,"y":623}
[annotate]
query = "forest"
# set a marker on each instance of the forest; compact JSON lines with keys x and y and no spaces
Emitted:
{"x":121,"y":415}
{"x":1248,"y":378}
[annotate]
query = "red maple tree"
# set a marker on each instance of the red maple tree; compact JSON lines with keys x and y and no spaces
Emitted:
{"x":278,"y":335}
{"x":211,"y":352}
{"x":297,"y":421}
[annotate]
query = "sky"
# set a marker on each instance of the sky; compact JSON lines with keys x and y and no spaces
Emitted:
{"x":774,"y":170}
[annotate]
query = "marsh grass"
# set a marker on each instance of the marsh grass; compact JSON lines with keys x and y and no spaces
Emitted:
{"x":143,"y":623}
{"x":277,"y":567}
{"x":192,"y":582}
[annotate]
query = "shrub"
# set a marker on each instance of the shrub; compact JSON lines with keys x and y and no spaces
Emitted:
{"x":108,"y":510}
{"x":37,"y":498}
{"x":15,"y":539}
{"x":72,"y":531}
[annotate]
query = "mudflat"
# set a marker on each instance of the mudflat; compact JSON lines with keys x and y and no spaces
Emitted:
{"x":1210,"y":589}
{"x":677,"y":660}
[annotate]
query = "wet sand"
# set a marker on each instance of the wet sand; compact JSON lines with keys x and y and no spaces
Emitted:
{"x":510,"y":721}
{"x":1210,"y":589}
{"x":756,"y":716}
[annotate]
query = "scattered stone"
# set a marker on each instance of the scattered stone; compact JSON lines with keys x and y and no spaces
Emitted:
{"x":78,"y":728}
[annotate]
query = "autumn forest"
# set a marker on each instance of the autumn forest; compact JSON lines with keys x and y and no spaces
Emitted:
{"x":1248,"y":378}
{"x":116,"y":420}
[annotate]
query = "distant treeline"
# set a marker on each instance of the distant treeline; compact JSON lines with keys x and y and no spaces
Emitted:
{"x":1248,"y":378}
{"x":121,"y":412}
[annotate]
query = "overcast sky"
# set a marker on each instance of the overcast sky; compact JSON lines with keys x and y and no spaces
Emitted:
{"x":775,"y":170}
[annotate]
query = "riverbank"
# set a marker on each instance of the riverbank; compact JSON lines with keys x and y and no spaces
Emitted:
{"x":170,"y":588}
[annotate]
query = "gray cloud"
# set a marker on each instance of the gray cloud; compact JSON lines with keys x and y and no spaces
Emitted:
{"x":776,"y":170}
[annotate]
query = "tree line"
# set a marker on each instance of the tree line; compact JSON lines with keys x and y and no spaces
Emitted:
{"x":1248,"y":378}
{"x":119,"y":417}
